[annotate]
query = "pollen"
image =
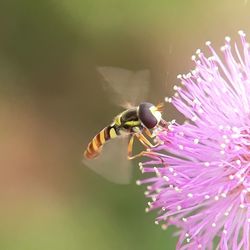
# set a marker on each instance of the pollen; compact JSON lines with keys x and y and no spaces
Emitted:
{"x":179,"y":207}
{"x":196,"y":141}
{"x":228,"y":39}
{"x":208,"y":43}
{"x":207,"y":197}
{"x":166,"y":178}
{"x":171,"y":169}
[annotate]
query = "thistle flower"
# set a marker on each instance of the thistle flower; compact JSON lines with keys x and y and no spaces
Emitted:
{"x":201,"y":172}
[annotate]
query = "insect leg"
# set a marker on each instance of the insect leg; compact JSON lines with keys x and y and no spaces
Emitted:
{"x":148,"y":133}
{"x":145,"y":141}
{"x":142,"y":153}
{"x":130,"y":148}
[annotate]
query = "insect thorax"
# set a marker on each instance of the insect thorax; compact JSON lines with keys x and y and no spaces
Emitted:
{"x":127,"y":120}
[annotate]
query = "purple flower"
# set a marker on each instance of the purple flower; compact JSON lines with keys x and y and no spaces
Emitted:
{"x":200,"y":176}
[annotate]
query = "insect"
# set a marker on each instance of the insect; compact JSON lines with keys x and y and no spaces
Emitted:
{"x":134,"y":122}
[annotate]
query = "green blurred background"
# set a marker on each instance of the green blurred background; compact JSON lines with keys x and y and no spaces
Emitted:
{"x":52,"y":103}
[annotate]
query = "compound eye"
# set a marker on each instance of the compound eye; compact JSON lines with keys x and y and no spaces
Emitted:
{"x":146,"y":116}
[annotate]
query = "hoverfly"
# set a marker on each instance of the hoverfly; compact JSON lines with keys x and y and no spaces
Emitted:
{"x":134,"y":122}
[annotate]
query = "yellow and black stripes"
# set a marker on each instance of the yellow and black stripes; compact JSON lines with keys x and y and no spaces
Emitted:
{"x":95,"y":146}
{"x":133,"y":122}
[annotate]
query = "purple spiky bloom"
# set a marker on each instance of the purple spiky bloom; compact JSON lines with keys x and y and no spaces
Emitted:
{"x":201,"y":172}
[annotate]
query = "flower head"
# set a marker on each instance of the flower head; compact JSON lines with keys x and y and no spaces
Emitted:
{"x":201,"y":172}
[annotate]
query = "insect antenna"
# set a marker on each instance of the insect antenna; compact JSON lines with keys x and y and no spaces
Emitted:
{"x":160,"y":107}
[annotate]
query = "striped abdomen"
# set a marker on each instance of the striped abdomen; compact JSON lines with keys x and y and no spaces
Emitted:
{"x":95,"y":146}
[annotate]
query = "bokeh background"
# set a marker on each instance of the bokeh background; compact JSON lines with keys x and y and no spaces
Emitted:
{"x":52,"y":102}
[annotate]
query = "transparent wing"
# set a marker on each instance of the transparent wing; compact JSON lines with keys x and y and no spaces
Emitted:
{"x":126,"y":86}
{"x":112,"y":163}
